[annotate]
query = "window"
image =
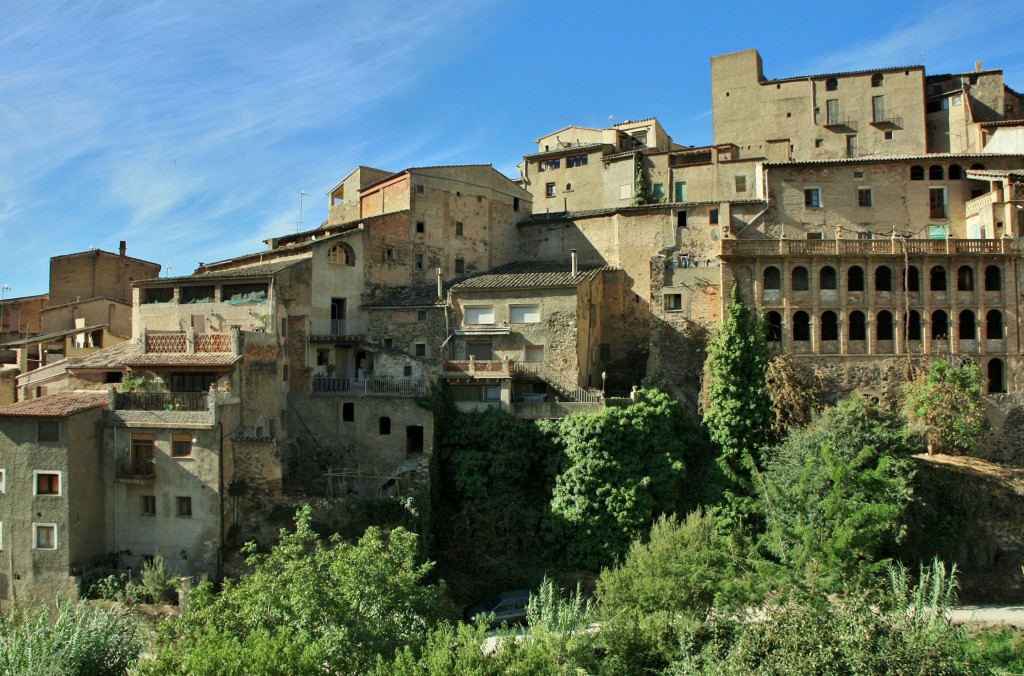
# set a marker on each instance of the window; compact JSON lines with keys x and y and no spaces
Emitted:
{"x":812,"y":197}
{"x":549,"y":190}
{"x":938,"y":278}
{"x":680,"y":188}
{"x":865,"y":234}
{"x":829,"y":325}
{"x":348,"y":412}
{"x":46,"y":483}
{"x":515,"y":204}
{"x":815,"y":235}
{"x":713,"y":217}
{"x":421,"y":315}
{"x":184,"y":506}
{"x":284,"y":373}
{"x":799,"y":279}
{"x":44,"y":536}
{"x":389,"y":254}
{"x":967,"y":327}
{"x":956,"y":173}
{"x":773,"y":327}
{"x":482,"y":349}
{"x":492,"y":393}
{"x":858,"y":326}
{"x":883,"y":278}
{"x":995,"y":376}
{"x":420,"y":349}
{"x":851,"y":146}
{"x":48,"y":430}
{"x":284,"y":327}
{"x":936,"y":172}
{"x":576,"y":161}
{"x":341,"y":254}
{"x":741,"y":183}
{"x":801,"y":326}
{"x":917,"y":173}
{"x":887,"y":135}
{"x":407,"y":371}
{"x":181,"y":445}
{"x":458,"y":228}
{"x":533,"y":353}
{"x":912,"y":279}
{"x":418,"y":261}
{"x":877,"y":108}
{"x":877,"y":80}
{"x":855,"y":278}
{"x":384,"y":425}
{"x":937,"y":202}
{"x":545,"y":165}
{"x":420,"y":190}
{"x":883,"y":325}
{"x":673,"y":302}
{"x":524,"y":314}
{"x":421,"y":227}
{"x":818,"y":142}
{"x":681,"y":219}
{"x":827,"y":279}
{"x":832,"y":112}
{"x":994,"y":325}
{"x":864,"y":197}
{"x":657,"y":192}
{"x":831,"y":84}
{"x":913,"y":329}
{"x":938,"y":231}
{"x":965,"y":278}
{"x":323,"y":356}
{"x":148,"y":505}
{"x":772,"y":278}
{"x":993,"y":278}
{"x":940,"y":325}
{"x":479,"y":314}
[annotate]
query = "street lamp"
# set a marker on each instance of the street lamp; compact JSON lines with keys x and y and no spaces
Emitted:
{"x":3,"y":289}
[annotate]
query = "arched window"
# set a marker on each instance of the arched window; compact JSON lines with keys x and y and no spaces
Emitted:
{"x":801,"y":326}
{"x":977,"y":166}
{"x":936,"y":173}
{"x":965,"y":278}
{"x":773,"y":327}
{"x":341,"y":254}
{"x":883,"y":325}
{"x":955,"y":172}
{"x":799,"y":278}
{"x":858,"y":326}
{"x":831,"y":84}
{"x":829,"y":325}
{"x":917,"y":173}
{"x":877,"y":79}
{"x":913,"y":326}
{"x":772,"y":279}
{"x":827,"y":278}
{"x":996,"y":382}
{"x":940,"y":325}
{"x":993,"y":278}
{"x":938,"y":278}
{"x":855,"y":278}
{"x":994,"y":325}
{"x":384,"y":424}
{"x":913,"y":279}
{"x":883,"y":278}
{"x":967,"y":328}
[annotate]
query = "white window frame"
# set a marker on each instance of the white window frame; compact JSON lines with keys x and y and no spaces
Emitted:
{"x":60,"y":483}
{"x":478,"y":314}
{"x":521,"y":313}
{"x":740,"y":182}
{"x":35,"y":536}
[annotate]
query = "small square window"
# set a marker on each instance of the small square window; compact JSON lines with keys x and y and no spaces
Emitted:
{"x":389,"y":254}
{"x":458,"y":228}
{"x":864,"y":197}
{"x":713,"y":217}
{"x":420,"y":190}
{"x":48,"y":430}
{"x":148,"y":505}
{"x":421,"y":227}
{"x":549,"y":190}
{"x":815,"y":235}
{"x":421,"y":349}
{"x":887,"y":135}
{"x":741,"y":183}
{"x":389,"y":343}
{"x":533,"y":353}
{"x":47,"y":483}
{"x":673,"y":302}
{"x":184,"y":506}
{"x":818,"y":142}
{"x":44,"y":536}
{"x":460,"y":265}
{"x":181,"y":445}
{"x":323,"y":357}
{"x":812,"y":197}
{"x":421,"y":315}
{"x":407,"y":371}
{"x":492,"y":393}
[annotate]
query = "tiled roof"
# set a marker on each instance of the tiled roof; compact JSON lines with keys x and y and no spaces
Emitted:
{"x":56,"y":405}
{"x":252,"y":271}
{"x":532,"y":275}
{"x":563,"y":151}
{"x":48,"y":337}
{"x":183,"y":359}
{"x":420,"y":296}
{"x":844,"y":73}
{"x":113,"y":357}
{"x":898,"y":158}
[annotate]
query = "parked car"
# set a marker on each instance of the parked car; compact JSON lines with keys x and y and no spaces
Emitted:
{"x":507,"y":608}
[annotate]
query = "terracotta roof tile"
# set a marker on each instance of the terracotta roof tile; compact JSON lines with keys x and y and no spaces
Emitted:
{"x":56,"y":405}
{"x":183,"y":359}
{"x":532,"y":275}
{"x":113,"y":357}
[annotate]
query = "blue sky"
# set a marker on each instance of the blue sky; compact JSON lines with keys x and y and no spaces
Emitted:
{"x":189,"y":128}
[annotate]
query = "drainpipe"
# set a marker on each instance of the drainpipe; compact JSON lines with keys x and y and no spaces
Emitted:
{"x":575,"y":263}
{"x":440,"y":285}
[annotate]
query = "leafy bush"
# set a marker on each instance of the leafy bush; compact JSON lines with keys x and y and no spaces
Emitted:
{"x":80,"y":640}
{"x":944,"y":407}
{"x":1000,"y":649}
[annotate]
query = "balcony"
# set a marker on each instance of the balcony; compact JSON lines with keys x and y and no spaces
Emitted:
{"x":370,"y":386}
{"x":887,"y":122}
{"x":840,"y":122}
{"x":861,"y":247}
{"x":137,"y":469}
{"x":477,"y":368}
{"x":336,"y":328}
{"x":162,"y":401}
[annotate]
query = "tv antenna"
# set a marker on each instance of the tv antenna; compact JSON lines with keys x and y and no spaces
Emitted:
{"x":298,"y":226}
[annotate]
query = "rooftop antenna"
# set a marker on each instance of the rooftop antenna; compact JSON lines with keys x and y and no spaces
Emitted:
{"x":170,"y":268}
{"x":611,"y":120}
{"x":302,"y":195}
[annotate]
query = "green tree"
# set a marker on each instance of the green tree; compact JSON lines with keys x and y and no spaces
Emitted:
{"x":642,"y":192}
{"x":944,"y":407}
{"x":839,"y":493}
{"x":738,"y":410}
{"x":307,"y":607}
{"x":623,"y":468}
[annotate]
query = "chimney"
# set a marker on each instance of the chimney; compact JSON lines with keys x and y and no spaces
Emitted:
{"x":440,"y":285}
{"x":123,"y":249}
{"x":977,"y":66}
{"x":575,"y":265}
